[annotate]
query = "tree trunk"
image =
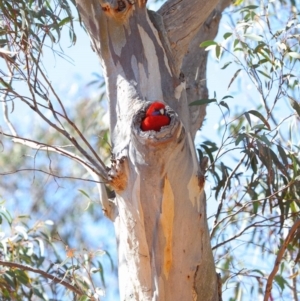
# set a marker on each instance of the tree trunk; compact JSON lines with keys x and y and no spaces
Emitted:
{"x":159,"y":213}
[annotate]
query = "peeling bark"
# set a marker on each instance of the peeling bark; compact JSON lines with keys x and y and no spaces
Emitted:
{"x":194,"y":65}
{"x":159,"y":209}
{"x":182,"y":20}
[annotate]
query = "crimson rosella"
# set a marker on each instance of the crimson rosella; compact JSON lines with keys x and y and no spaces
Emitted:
{"x":156,"y":117}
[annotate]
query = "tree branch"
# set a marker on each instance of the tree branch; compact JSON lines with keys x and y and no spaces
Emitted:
{"x":241,"y":209}
{"x":256,"y":224}
{"x":4,"y":103}
{"x":224,"y":194}
{"x":73,"y":125}
{"x":182,"y":20}
{"x":48,"y":173}
{"x":108,"y":206}
{"x":279,"y":258}
{"x":95,"y":166}
{"x":45,"y":147}
{"x":195,"y":63}
{"x":23,"y":267}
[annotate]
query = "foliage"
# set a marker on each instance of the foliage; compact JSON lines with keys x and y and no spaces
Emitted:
{"x":28,"y":268}
{"x":258,"y":189}
{"x":28,"y":29}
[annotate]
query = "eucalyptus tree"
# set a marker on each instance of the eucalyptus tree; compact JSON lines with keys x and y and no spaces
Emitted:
{"x":159,"y":209}
{"x":152,"y":190}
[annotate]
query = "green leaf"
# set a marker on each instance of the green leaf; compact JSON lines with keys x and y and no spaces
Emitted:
{"x":238,"y":49}
{"x":23,"y":277}
{"x":200,"y":154}
{"x":224,"y":104}
{"x":110,"y":260}
{"x":283,"y":155}
{"x":239,"y":138}
{"x":24,"y":216}
{"x":6,"y":215}
{"x":226,"y":65}
{"x":262,"y":61}
{"x":253,"y":161}
{"x":64,"y":21}
{"x":235,"y":43}
{"x":208,"y":152}
{"x":208,"y":43}
{"x":264,"y":139}
{"x":281,"y":267}
{"x":218,"y":51}
{"x":278,"y":164}
{"x":5,"y":84}
{"x":213,"y":146}
{"x":280,"y":281}
{"x":248,"y":118}
{"x":295,"y":105}
{"x":227,"y":96}
{"x":9,"y":278}
{"x":227,"y":35}
{"x":201,"y":102}
{"x":238,"y":2}
{"x":260,"y":126}
{"x":38,"y":292}
{"x":259,"y":272}
{"x":84,"y":193}
{"x":84,"y":298}
{"x":264,"y":74}
{"x":294,"y":207}
{"x":234,"y":77}
{"x":101,"y":272}
{"x":261,"y":46}
{"x":253,"y":37}
{"x":294,"y":55}
{"x":255,"y":207}
{"x":249,"y":7}
{"x":261,"y":117}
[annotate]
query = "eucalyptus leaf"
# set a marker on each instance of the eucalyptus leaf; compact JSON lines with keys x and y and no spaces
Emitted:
{"x":201,"y":102}
{"x":261,"y":117}
{"x":295,"y":105}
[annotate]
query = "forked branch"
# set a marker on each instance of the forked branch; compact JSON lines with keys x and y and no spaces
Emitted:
{"x":280,"y":254}
{"x":53,"y":278}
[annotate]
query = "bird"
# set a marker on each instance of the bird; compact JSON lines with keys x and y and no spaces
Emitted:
{"x":155,"y":118}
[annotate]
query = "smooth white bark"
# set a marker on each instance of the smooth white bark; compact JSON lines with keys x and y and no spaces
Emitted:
{"x":160,"y":215}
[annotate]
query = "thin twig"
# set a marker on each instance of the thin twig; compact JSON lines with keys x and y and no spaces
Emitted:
{"x":45,"y":147}
{"x":101,"y":170}
{"x":48,"y":173}
{"x":68,"y":119}
{"x":256,"y":224}
{"x":279,"y":258}
{"x":251,"y":203}
{"x":294,"y":285}
{"x":224,"y":192}
{"x":4,"y":103}
{"x":108,"y":207}
{"x":96,"y":162}
{"x":24,"y":267}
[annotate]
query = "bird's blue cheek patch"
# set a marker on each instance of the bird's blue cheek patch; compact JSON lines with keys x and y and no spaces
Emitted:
{"x":155,"y":113}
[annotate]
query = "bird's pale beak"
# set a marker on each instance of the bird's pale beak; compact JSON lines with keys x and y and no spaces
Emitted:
{"x":162,"y":111}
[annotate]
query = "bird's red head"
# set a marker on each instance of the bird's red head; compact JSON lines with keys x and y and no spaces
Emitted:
{"x":155,"y":109}
{"x":156,"y":117}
